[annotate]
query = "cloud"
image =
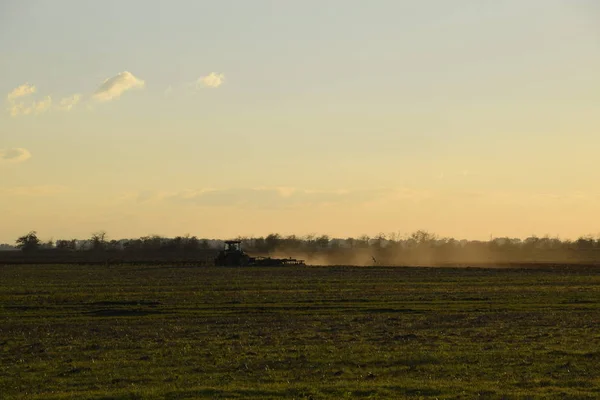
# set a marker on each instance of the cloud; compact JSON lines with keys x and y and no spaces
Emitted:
{"x":42,"y":106}
{"x":15,"y":155}
{"x":67,"y":103}
{"x":23,"y":90}
{"x":37,"y":107}
{"x":20,"y":108}
{"x":34,"y":191}
{"x":112,"y":88}
{"x":212,"y":80}
{"x":15,"y":109}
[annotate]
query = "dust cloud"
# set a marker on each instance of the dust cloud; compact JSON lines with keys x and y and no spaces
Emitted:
{"x":428,"y":250}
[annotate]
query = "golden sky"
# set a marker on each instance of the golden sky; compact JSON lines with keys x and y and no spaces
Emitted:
{"x":465,"y":118}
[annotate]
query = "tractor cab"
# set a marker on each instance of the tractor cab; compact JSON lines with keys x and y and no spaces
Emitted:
{"x":233,"y":245}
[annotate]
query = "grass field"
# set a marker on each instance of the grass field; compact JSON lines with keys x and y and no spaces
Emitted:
{"x":302,"y":332}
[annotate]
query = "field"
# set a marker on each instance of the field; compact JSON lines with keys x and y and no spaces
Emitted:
{"x":86,"y":332}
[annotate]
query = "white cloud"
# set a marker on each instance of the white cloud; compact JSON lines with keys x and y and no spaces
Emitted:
{"x":112,"y":88}
{"x":23,"y":90}
{"x":67,"y":103}
{"x":14,"y":155}
{"x":212,"y":80}
{"x":36,"y":107}
{"x":16,"y":109}
{"x":42,"y":106}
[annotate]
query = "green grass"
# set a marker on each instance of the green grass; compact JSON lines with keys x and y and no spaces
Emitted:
{"x":70,"y":332}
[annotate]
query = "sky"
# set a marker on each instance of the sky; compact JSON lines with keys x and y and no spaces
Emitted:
{"x":467,"y":118}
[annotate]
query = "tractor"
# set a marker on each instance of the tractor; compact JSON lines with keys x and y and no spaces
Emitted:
{"x":233,"y":256}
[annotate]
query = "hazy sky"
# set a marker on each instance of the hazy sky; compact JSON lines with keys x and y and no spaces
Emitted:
{"x":341,"y":117}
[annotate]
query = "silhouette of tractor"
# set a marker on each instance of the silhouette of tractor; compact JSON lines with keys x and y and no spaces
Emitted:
{"x":233,"y":256}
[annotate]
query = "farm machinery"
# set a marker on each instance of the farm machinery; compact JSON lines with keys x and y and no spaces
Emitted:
{"x":233,"y":256}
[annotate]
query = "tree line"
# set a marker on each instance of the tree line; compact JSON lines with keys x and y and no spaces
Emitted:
{"x":420,"y":247}
{"x":98,"y":241}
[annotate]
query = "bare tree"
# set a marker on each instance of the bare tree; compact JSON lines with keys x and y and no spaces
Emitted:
{"x":28,"y":242}
{"x":98,"y":240}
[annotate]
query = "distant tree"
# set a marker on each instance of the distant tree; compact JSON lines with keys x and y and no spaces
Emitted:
{"x":247,"y":242}
{"x":66,"y":244}
{"x":47,"y":245}
{"x":258,"y":245}
{"x":422,"y":237}
{"x":152,"y":242}
{"x":363,"y":241}
{"x":350,"y":242}
{"x":292,"y":242}
{"x":585,"y":243}
{"x":309,"y":240}
{"x":379,"y":240}
{"x":191,"y":242}
{"x":114,"y":245}
{"x":322,"y":242}
{"x":98,"y":240}
{"x":132,"y":245}
{"x":177,"y":243}
{"x":393,"y":236}
{"x":272,"y":241}
{"x":28,"y":242}
{"x":548,"y":243}
{"x":531,"y":242}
